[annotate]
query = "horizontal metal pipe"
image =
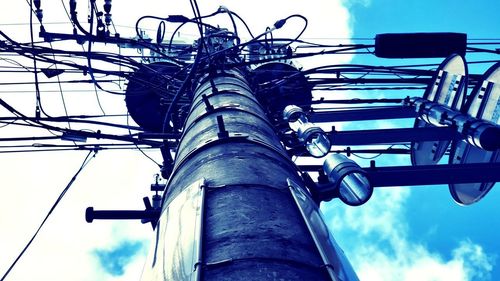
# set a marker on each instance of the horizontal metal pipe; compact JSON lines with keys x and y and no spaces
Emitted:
{"x":393,"y":112}
{"x":427,"y":174}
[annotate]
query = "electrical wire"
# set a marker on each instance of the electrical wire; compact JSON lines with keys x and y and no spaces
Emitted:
{"x":98,"y":135}
{"x":177,"y":87}
{"x":387,"y":150}
{"x":233,"y":22}
{"x":89,"y":58}
{"x":76,"y":119}
{"x":74,"y":17}
{"x":300,"y":33}
{"x":87,"y":159}
{"x":482,"y":50}
{"x":181,"y":90}
{"x":195,"y":20}
{"x":38,"y":107}
{"x":37,"y":89}
{"x":89,"y":55}
{"x":244,"y":23}
{"x":137,"y":146}
{"x":37,"y":52}
{"x":197,"y":14}
{"x":76,"y":148}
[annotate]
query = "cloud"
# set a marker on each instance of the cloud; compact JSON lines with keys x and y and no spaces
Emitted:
{"x":115,"y":260}
{"x":376,"y":239}
{"x":479,"y":264}
{"x":67,"y":244}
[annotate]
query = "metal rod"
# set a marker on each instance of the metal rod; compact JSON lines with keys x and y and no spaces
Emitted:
{"x":393,"y":112}
{"x":381,"y":136}
{"x":91,"y":214}
{"x":428,"y":174}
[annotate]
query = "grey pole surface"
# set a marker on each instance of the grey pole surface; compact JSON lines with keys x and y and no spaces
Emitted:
{"x":252,"y":228}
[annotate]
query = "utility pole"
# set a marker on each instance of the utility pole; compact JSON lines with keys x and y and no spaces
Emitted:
{"x":229,"y":212}
{"x":252,"y":229}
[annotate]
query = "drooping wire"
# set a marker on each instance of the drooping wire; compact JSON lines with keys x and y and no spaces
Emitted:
{"x":72,"y":15}
{"x":231,"y":16}
{"x":5,"y":124}
{"x":482,"y":50}
{"x":89,"y":54}
{"x":372,"y":157}
{"x":86,"y":161}
{"x":193,"y":20}
{"x":242,"y":21}
{"x":181,"y":90}
{"x":61,"y":91}
{"x":137,"y":146}
{"x":38,"y":107}
{"x":277,"y":25}
{"x":37,"y":52}
{"x":89,"y":57}
{"x":300,"y":33}
{"x":30,"y":3}
{"x":197,"y":14}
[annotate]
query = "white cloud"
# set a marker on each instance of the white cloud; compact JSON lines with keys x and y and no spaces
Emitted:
{"x":479,"y":263}
{"x":376,"y":239}
{"x":64,"y":248}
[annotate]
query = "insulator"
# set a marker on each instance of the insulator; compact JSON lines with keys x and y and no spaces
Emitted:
{"x":313,"y":137}
{"x":352,"y":186}
{"x":157,"y":201}
{"x":292,"y":113}
{"x":39,"y":14}
{"x":479,"y":133}
{"x":107,"y":19}
{"x":107,"y":6}
{"x":72,"y":6}
{"x":316,"y":141}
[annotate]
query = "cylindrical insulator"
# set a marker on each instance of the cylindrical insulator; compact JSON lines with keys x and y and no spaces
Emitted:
{"x":477,"y":132}
{"x":484,"y":135}
{"x":352,"y":186}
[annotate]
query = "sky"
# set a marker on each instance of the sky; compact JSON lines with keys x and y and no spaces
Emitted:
{"x":402,"y":233}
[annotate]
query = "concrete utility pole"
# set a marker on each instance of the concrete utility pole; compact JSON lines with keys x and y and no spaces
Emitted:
{"x":236,"y":207}
{"x":230,"y":210}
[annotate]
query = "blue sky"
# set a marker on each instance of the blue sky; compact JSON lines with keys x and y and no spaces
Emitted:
{"x":115,"y":260}
{"x":477,"y":18}
{"x":407,"y":233}
{"x":425,"y":218}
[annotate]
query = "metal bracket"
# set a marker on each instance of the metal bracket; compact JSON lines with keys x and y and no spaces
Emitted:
{"x":334,"y":261}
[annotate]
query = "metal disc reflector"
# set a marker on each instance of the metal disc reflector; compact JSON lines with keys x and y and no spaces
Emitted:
{"x":448,"y":88}
{"x":484,"y":104}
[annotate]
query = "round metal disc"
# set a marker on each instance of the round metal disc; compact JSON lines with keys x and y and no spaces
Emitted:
{"x":484,"y":104}
{"x":448,"y":88}
{"x":149,"y":94}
